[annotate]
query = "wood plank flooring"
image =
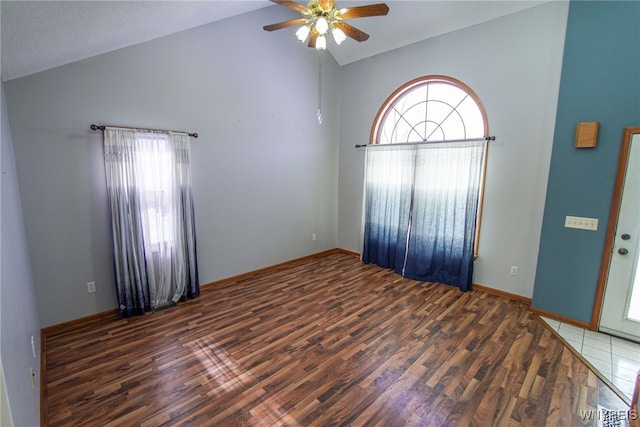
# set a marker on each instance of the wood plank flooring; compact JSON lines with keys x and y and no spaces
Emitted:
{"x":322,"y":341}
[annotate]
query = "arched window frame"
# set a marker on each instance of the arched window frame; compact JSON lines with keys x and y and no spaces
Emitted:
{"x":408,"y":87}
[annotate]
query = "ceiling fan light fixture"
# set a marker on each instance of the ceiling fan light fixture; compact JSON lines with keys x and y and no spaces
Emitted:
{"x":321,"y":43}
{"x":303,"y":33}
{"x":322,"y":16}
{"x":338,"y":35}
{"x":322,"y":26}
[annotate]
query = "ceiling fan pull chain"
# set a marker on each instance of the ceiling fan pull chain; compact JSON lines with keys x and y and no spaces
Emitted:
{"x":319,"y":87}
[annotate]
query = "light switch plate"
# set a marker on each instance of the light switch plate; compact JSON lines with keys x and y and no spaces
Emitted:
{"x":582,"y":223}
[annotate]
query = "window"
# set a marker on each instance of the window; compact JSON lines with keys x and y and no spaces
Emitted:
{"x":434,"y":109}
{"x":154,"y":165}
{"x":431,"y":108}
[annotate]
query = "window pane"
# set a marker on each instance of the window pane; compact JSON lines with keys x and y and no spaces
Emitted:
{"x":154,"y":163}
{"x":432,"y":111}
{"x":473,"y":121}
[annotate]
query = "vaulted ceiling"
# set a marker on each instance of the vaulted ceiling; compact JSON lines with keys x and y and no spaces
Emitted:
{"x":39,"y":35}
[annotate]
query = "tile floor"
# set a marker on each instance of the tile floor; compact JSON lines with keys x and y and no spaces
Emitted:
{"x":617,"y":360}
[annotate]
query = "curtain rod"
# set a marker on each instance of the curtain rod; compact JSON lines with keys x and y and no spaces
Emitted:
{"x":103,"y":127}
{"x":484,"y":138}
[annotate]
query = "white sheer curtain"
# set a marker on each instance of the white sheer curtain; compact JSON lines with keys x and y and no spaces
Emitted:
{"x":149,"y":190}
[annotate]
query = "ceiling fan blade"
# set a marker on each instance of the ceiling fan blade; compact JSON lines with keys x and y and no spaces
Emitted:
{"x":326,"y":4}
{"x":352,"y":31}
{"x":312,"y":38}
{"x":292,"y":5}
{"x":285,"y":24}
{"x":364,"y":11}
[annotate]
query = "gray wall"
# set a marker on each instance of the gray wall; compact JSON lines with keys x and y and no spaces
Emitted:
{"x":18,"y":311}
{"x":264,"y":170}
{"x":513,"y":64}
{"x":5,"y":411}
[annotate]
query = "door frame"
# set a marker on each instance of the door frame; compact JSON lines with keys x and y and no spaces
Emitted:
{"x":623,"y":160}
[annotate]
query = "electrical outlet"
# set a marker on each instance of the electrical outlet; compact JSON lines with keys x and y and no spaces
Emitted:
{"x":91,"y":287}
{"x":514,"y":270}
{"x":313,"y":236}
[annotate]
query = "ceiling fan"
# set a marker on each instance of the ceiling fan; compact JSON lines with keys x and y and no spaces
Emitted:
{"x":322,"y":16}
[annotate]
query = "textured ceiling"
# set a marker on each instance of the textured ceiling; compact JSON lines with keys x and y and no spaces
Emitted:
{"x":38,"y":35}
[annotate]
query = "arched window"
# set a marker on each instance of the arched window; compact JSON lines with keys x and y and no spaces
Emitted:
{"x":430,"y":108}
{"x":431,"y":111}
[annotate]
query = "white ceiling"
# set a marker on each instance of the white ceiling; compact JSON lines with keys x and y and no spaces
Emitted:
{"x":39,"y":35}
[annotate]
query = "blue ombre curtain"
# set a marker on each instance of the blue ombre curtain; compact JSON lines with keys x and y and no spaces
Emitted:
{"x":389,"y":172}
{"x":432,"y":213}
{"x":443,"y":218}
{"x":149,"y":190}
{"x":132,"y":287}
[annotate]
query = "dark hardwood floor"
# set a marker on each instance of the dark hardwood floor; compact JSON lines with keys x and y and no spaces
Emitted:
{"x":322,"y":341}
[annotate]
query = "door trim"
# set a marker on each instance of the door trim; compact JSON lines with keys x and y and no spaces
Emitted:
{"x":611,"y":226}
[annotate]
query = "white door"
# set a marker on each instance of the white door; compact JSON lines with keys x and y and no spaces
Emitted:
{"x":621,"y":305}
